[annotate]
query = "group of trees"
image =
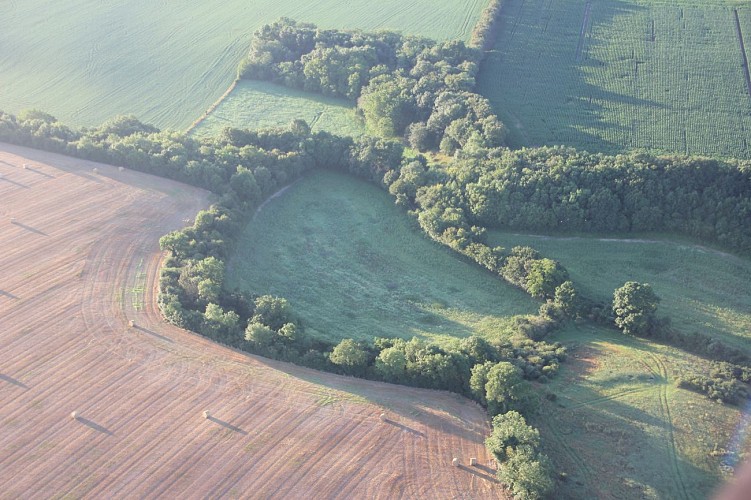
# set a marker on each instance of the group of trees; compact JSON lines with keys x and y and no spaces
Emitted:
{"x":403,"y":85}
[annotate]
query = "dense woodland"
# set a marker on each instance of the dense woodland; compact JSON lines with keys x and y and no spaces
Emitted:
{"x":421,"y":92}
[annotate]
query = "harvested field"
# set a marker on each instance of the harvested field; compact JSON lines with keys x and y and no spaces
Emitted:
{"x":77,"y":263}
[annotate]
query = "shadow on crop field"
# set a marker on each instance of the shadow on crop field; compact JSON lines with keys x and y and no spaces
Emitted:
{"x":13,"y":381}
{"x":227,"y":425}
{"x":536,"y":74}
{"x":95,"y":426}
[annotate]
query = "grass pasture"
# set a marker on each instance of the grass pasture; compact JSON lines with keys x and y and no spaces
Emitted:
{"x":622,"y":74}
{"x":85,"y":61}
{"x":254,"y":104}
{"x":701,"y":290}
{"x":620,"y":428}
{"x":352,"y":266}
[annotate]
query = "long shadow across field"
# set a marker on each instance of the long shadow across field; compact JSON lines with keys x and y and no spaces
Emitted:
{"x":558,"y":102}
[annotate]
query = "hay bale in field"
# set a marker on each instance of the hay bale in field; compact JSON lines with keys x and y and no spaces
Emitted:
{"x":455,"y":462}
{"x":12,"y":220}
{"x":95,"y":170}
{"x":25,"y":166}
{"x":473,"y":461}
{"x":206,"y":414}
{"x":131,"y":323}
{"x":121,"y":169}
{"x":383,"y":417}
{"x":74,"y":415}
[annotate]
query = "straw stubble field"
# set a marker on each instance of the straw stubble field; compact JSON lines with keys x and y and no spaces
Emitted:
{"x":79,"y":259}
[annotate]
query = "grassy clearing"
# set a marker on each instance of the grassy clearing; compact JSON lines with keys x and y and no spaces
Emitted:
{"x":85,"y":61}
{"x":615,"y":74}
{"x":701,"y":289}
{"x":351,"y":265}
{"x":254,"y":105}
{"x":620,"y":429}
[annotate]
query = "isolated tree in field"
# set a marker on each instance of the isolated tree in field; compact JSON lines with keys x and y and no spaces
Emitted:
{"x":350,"y":356}
{"x":635,"y":307}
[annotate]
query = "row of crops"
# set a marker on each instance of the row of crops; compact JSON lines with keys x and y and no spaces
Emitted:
{"x":612,"y":75}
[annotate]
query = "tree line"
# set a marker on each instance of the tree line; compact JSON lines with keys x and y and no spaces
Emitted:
{"x":404,"y":86}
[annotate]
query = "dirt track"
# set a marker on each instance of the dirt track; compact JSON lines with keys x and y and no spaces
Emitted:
{"x":81,"y":259}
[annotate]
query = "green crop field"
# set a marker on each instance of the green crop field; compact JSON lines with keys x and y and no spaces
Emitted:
{"x":85,"y":61}
{"x":621,"y":74}
{"x":619,"y":428}
{"x":352,"y":266}
{"x":702,"y":290}
{"x":254,"y":105}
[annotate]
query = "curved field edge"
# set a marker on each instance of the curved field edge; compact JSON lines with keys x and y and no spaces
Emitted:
{"x":352,"y":265}
{"x":80,"y":260}
{"x":85,"y":61}
{"x":702,"y":290}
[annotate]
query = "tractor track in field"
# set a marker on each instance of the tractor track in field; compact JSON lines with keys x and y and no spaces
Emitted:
{"x":583,"y":31}
{"x":672,"y":448}
{"x":744,"y":58}
{"x":584,"y":469}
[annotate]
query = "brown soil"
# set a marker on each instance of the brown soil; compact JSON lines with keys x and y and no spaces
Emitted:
{"x":78,"y":262}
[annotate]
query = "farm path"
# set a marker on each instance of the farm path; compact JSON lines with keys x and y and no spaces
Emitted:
{"x":79,"y":258}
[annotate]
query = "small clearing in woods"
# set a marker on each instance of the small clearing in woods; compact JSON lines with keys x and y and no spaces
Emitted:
{"x":69,"y":263}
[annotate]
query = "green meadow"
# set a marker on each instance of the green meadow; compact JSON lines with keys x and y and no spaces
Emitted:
{"x":352,"y":265}
{"x":85,"y":61}
{"x":623,"y":74}
{"x":702,"y":290}
{"x":619,"y":428}
{"x":254,"y":104}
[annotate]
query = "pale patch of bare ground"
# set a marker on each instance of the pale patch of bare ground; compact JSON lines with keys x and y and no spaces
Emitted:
{"x":79,"y":259}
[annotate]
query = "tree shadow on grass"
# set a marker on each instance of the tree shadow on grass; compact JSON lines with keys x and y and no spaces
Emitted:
{"x":619,"y":443}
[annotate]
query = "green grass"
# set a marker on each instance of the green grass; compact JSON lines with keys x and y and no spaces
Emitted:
{"x":254,"y":105}
{"x":614,"y":88}
{"x":621,"y":429}
{"x":702,"y":290}
{"x":85,"y":61}
{"x":352,"y":266}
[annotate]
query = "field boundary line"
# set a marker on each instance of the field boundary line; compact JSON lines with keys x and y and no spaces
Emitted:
{"x":743,"y":50}
{"x":213,"y":107}
{"x":583,"y":30}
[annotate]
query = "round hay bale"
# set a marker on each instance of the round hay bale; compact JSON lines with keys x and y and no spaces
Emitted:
{"x":121,"y":169}
{"x":131,"y":323}
{"x":472,"y":461}
{"x":74,"y":415}
{"x":206,"y":414}
{"x":455,"y":462}
{"x":383,"y":417}
{"x":95,"y":170}
{"x":12,"y":220}
{"x":25,"y":166}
